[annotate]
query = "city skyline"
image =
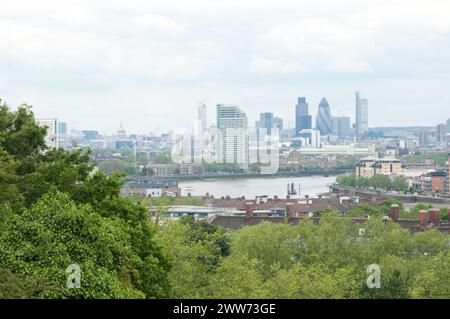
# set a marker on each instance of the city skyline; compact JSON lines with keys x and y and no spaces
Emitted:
{"x":141,"y":63}
{"x":201,"y":117}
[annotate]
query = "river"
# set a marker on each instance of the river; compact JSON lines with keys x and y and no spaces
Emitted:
{"x":251,"y":187}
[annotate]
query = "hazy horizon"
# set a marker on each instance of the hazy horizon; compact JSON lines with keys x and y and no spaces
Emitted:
{"x":147,"y":64}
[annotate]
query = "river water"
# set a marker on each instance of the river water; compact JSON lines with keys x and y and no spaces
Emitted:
{"x":251,"y":187}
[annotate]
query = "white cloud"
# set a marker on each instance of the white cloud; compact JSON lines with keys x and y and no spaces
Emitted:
{"x":152,"y":21}
{"x":268,"y":66}
{"x":311,"y":48}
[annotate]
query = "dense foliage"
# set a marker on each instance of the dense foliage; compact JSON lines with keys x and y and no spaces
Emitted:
{"x":328,"y":260}
{"x":56,"y":211}
{"x":378,"y":181}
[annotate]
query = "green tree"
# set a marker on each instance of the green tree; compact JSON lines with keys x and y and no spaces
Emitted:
{"x":196,"y":249}
{"x":238,"y":277}
{"x":379,"y":181}
{"x":55,"y":233}
{"x":433,"y":280}
{"x":20,"y":136}
{"x":265,"y":242}
{"x":34,"y":175}
{"x":314,"y":281}
{"x":400,"y":184}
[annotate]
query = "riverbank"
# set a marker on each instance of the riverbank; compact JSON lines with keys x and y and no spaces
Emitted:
{"x":304,"y":173}
{"x":406,"y":198}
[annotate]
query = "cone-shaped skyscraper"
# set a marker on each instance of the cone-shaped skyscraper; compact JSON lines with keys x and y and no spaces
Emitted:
{"x":324,"y":121}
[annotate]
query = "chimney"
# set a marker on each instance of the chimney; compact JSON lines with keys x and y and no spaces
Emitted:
{"x":433,"y":216}
{"x":423,"y":219}
{"x":289,"y":211}
{"x":394,"y":212}
{"x":248,"y":210}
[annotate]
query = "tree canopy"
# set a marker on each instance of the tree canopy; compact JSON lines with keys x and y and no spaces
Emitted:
{"x":56,"y":209}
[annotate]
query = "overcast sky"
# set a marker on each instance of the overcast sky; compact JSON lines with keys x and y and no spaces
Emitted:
{"x":147,"y":63}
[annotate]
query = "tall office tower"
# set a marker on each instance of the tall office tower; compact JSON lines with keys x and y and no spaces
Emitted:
{"x":232,"y":141}
{"x":324,"y":122}
{"x":341,"y":126}
{"x":362,"y":115}
{"x":441,"y":134}
{"x":303,"y":120}
{"x":278,"y":123}
{"x":424,"y":138}
{"x":52,"y":137}
{"x":62,"y":128}
{"x":201,"y":117}
{"x":266,"y":121}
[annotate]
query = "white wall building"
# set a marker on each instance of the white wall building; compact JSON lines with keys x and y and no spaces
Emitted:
{"x":232,"y":142}
{"x":362,"y":115}
{"x":52,"y":137}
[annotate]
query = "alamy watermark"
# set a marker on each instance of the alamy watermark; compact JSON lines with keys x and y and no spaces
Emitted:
{"x":228,"y":146}
{"x":374,"y":279}
{"x":73,"y":276}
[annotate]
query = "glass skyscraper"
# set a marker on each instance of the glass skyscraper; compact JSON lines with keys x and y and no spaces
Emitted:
{"x":303,"y":120}
{"x":362,"y":115}
{"x":324,"y":122}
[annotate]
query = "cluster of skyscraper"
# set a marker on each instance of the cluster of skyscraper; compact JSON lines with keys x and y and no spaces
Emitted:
{"x":326,"y":123}
{"x":232,"y":127}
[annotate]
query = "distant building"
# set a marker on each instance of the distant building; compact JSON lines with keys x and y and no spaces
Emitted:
{"x":145,"y":187}
{"x":269,"y":122}
{"x":341,"y":126}
{"x":447,"y":181}
{"x":90,"y":135}
{"x":124,"y":144}
{"x":164,"y":169}
{"x":278,"y":123}
{"x":342,"y":149}
{"x":362,"y":115}
{"x":324,"y":122}
{"x":367,"y":167}
{"x":434,"y":182}
{"x":202,"y":118}
{"x":424,"y":138}
{"x":232,"y":142}
{"x":309,"y":138}
{"x":52,"y":137}
{"x":62,"y":128}
{"x":303,"y":120}
{"x":391,"y":151}
{"x":121,"y":133}
{"x":441,"y":134}
{"x":191,"y":169}
{"x":121,"y":140}
{"x":266,"y":121}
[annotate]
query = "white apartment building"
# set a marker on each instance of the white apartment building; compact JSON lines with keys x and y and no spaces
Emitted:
{"x":232,"y":142}
{"x":52,"y":137}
